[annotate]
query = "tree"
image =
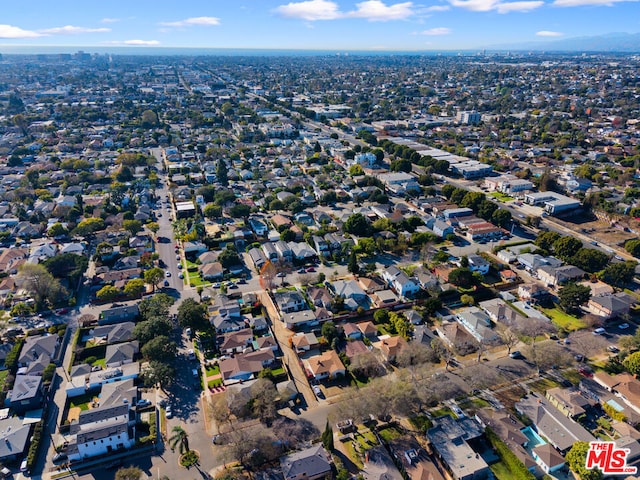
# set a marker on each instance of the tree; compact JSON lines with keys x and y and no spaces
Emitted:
{"x":212,"y":211}
{"x":546,"y":240}
{"x":432,"y":305}
{"x":221,"y":173}
{"x":89,"y":226}
{"x":327,"y":437}
{"x":229,"y":256}
{"x":146,"y":330}
{"x":572,"y":295}
{"x":329,"y":331}
{"x":158,"y":373}
{"x":155,"y":306}
{"x":632,"y":363}
{"x":153,"y":276}
{"x":462,"y":277}
{"x":577,"y":459}
{"x":57,"y":230}
{"x":633,"y":247}
{"x":132,"y":226}
{"x":68,"y":265}
{"x":508,"y":337}
{"x":353,"y":266}
{"x":129,"y":473}
{"x":381,"y":316}
{"x":590,"y":259}
{"x":501,"y":218}
{"x":159,"y":348}
{"x":618,"y":274}
{"x":566,"y":247}
{"x":180,"y":439}
{"x":153,"y":227}
{"x":134,"y":287}
{"x":366,"y":365}
{"x":240,"y":210}
{"x":149,"y":119}
{"x":357,"y":224}
{"x":40,"y":284}
{"x":264,"y":395}
{"x":108,"y":293}
{"x":193,"y":315}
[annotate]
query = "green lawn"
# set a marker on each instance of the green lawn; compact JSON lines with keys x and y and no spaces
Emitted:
{"x":81,"y":402}
{"x":500,"y":196}
{"x":3,"y":375}
{"x":543,"y":385}
{"x":572,"y":375}
{"x":563,"y":320}
{"x":390,"y":433}
{"x":502,"y":472}
{"x":196,"y":281}
{"x":443,"y":411}
{"x":351,"y":453}
{"x":100,"y":362}
{"x":213,"y":370}
{"x":421,"y":422}
{"x":214,"y":383}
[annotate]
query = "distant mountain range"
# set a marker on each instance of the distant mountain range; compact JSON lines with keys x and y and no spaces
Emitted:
{"x":612,"y":42}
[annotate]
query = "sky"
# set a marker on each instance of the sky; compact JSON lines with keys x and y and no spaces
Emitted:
{"x":376,"y":25}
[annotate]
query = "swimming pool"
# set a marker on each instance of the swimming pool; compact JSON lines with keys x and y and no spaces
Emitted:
{"x":535,"y":440}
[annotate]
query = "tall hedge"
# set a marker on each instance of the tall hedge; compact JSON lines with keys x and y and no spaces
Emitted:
{"x":513,"y":463}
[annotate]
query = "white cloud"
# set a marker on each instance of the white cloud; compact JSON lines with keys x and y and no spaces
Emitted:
{"x":110,"y":20}
{"x":194,"y":22}
{"x":595,"y":3}
{"x":548,"y":33}
{"x":377,"y":11}
{"x":437,"y":8}
{"x":372,"y":10}
{"x":310,"y":10}
{"x":144,"y":43}
{"x":73,"y":30}
{"x":518,"y":6}
{"x":436,"y":31}
{"x":500,"y":7}
{"x":9,"y":31}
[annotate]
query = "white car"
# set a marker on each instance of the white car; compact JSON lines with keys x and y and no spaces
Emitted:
{"x":168,"y":412}
{"x":623,"y":326}
{"x":167,"y":273}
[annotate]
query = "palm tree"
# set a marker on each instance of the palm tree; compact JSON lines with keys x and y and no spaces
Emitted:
{"x":179,"y":438}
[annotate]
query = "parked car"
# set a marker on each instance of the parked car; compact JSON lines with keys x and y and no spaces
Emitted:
{"x":166,"y":283}
{"x":191,"y":354}
{"x":168,"y":412}
{"x":623,"y":326}
{"x":600,"y":331}
{"x":281,"y":274}
{"x":59,"y":457}
{"x":180,"y":275}
{"x":167,"y":273}
{"x":318,"y":391}
{"x":143,"y":402}
{"x":516,"y":355}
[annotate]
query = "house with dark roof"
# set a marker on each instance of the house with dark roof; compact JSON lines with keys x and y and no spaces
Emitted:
{"x":121,"y":353}
{"x":413,"y":459}
{"x":610,"y":306}
{"x":236,"y":342}
{"x":118,"y":314}
{"x":120,"y":332}
{"x":36,"y":347}
{"x":14,"y":437}
{"x":289,"y":301}
{"x":27,"y":394}
{"x":310,"y":464}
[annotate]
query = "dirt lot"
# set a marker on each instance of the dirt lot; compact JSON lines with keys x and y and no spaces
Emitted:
{"x":604,"y":232}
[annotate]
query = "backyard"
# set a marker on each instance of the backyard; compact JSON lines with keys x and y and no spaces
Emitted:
{"x":563,"y":320}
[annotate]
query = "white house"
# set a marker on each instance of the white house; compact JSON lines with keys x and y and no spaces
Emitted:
{"x":400,"y":281}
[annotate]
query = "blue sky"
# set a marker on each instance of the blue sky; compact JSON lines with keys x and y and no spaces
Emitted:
{"x":310,"y":24}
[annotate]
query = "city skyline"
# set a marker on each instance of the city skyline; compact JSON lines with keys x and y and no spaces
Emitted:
{"x":372,"y":25}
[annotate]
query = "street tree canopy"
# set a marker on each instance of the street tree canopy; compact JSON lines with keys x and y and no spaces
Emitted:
{"x":193,"y":315}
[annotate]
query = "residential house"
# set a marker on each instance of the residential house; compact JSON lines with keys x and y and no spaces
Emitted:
{"x":121,"y":353}
{"x":38,"y":347}
{"x":384,"y":298}
{"x":371,"y":284}
{"x":212,"y":271}
{"x":456,"y":337}
{"x":349,"y":289}
{"x":413,"y":459}
{"x":236,"y":342}
{"x":303,"y":342}
{"x":15,"y":434}
{"x":284,"y":251}
{"x":478,"y":263}
{"x":610,"y":306}
{"x":510,"y":430}
{"x":270,"y":252}
{"x":549,"y":422}
{"x":500,"y":311}
{"x":320,"y":296}
{"x":391,"y":347}
{"x":312,"y":463}
{"x":532,"y":291}
{"x":245,"y":366}
{"x":450,"y":438}
{"x":623,"y":385}
{"x":569,"y":401}
{"x":325,"y":366}
{"x":400,"y":281}
{"x":368,"y":329}
{"x":102,"y":430}
{"x":556,"y":276}
{"x":478,"y":324}
{"x":27,"y":394}
{"x":379,"y":465}
{"x":549,"y":459}
{"x":354,"y":348}
{"x":303,"y":318}
{"x":257,"y":257}
{"x":289,"y":301}
{"x":351,"y":331}
{"x":118,"y":314}
{"x":321,"y":246}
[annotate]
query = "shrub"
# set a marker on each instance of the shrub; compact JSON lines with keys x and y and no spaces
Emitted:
{"x":32,"y":456}
{"x":513,"y":463}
